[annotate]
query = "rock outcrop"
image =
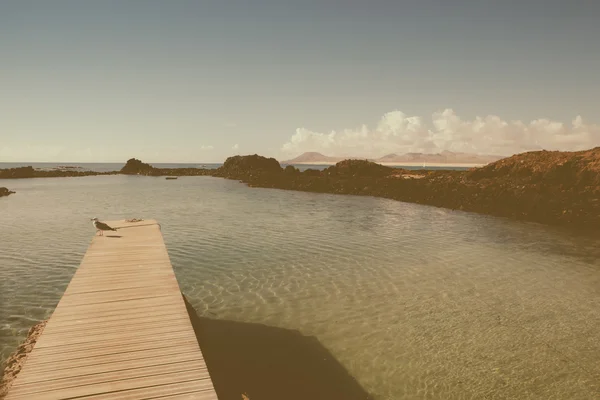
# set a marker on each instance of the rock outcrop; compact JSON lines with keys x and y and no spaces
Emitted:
{"x":30,"y":172}
{"x":136,"y":167}
{"x":557,"y":188}
{"x":359,"y":168}
{"x":253,"y":166}
{"x":5,"y":192}
{"x":17,"y":173}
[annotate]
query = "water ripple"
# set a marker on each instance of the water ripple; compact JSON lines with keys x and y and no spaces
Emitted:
{"x":415,"y":301}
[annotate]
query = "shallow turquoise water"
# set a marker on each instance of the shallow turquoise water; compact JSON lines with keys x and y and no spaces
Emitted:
{"x":415,"y":301}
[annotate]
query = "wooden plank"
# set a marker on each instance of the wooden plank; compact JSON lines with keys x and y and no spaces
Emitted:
{"x":118,"y":276}
{"x":104,"y":336}
{"x":131,"y":294}
{"x":125,"y":385}
{"x":121,"y":329}
{"x":123,"y":342}
{"x":156,"y":315}
{"x":203,"y":389}
{"x":117,"y":310}
{"x":114,"y":349}
{"x":115,"y":326}
{"x":132,"y":259}
{"x":195,"y":395}
{"x":54,"y":365}
{"x":139,"y":323}
{"x":101,"y":368}
{"x":31,"y":388}
{"x":108,"y":286}
{"x":121,"y":273}
{"x":91,"y":288}
{"x":99,"y":268}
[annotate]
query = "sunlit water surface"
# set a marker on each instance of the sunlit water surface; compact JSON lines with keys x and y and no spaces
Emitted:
{"x":415,"y":302}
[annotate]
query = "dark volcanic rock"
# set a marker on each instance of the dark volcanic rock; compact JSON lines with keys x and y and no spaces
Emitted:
{"x":252,"y":163}
{"x":249,"y":167}
{"x":359,"y":168}
{"x":30,"y":172}
{"x":17,"y":173}
{"x":558,"y":188}
{"x":5,"y":192}
{"x":291,"y":170}
{"x":572,"y":169}
{"x":136,"y":167}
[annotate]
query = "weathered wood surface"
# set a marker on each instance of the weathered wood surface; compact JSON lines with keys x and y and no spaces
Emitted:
{"x":121,"y":329}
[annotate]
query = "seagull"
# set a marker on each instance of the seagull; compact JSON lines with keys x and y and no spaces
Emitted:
{"x":101,"y":226}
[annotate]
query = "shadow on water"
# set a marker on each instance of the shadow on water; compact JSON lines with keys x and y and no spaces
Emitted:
{"x":269,"y":363}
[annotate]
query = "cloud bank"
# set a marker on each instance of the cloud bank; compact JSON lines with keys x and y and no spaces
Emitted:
{"x":398,"y":133}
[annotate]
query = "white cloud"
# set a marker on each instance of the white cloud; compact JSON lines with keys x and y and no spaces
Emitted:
{"x":398,"y":133}
{"x":207,"y":147}
{"x":235,"y":147}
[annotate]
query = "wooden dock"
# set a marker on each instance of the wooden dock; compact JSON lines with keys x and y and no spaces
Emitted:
{"x":121,"y":329}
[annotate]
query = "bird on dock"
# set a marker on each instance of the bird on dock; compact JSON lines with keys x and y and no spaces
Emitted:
{"x":101,"y":226}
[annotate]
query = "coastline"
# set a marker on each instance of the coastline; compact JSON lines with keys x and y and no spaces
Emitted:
{"x":16,"y":361}
{"x":552,"y":188}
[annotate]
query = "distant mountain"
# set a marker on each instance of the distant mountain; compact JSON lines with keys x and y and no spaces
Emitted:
{"x":312,"y":157}
{"x":445,"y":157}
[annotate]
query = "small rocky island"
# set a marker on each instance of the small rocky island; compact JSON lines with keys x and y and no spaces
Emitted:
{"x":5,"y":192}
{"x":137,"y":167}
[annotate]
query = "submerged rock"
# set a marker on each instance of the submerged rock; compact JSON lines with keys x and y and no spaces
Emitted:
{"x":5,"y":192}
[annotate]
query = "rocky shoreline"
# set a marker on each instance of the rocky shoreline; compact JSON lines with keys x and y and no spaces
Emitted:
{"x":553,"y":188}
{"x":548,"y":187}
{"x":30,"y":172}
{"x":15,"y":362}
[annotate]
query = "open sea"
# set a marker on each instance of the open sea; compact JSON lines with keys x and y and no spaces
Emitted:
{"x":416,"y":302}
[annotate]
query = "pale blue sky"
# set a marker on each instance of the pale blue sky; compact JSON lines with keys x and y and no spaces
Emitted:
{"x":187,"y":80}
